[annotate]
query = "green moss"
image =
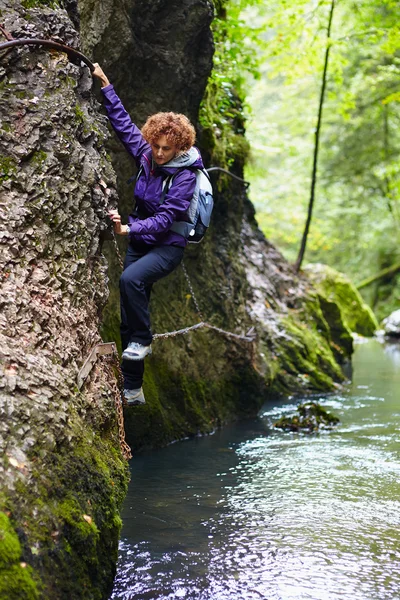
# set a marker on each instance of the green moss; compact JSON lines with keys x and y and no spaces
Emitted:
{"x":39,"y":3}
{"x":10,"y":549}
{"x":221,"y":117}
{"x":86,"y":126}
{"x":80,"y":115}
{"x":69,"y":517}
{"x":305,"y":358}
{"x":17,"y":583}
{"x":336,"y":288}
{"x":8,"y":167}
{"x":21,"y":94}
{"x":341,"y":338}
{"x":38,"y":158}
{"x":16,"y":577}
{"x":311,"y":417}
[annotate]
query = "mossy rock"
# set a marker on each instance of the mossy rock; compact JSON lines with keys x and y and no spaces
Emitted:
{"x":335,"y":288}
{"x":67,"y":525}
{"x":311,"y":417}
{"x":16,"y":577}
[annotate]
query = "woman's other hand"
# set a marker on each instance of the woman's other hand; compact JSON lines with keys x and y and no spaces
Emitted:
{"x":116,"y":219}
{"x":99,"y":73}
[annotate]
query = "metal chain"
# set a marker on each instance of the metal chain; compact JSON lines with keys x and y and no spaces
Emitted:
{"x":245,"y":183}
{"x":250,"y":336}
{"x":192,"y":292}
{"x":118,"y":253}
{"x":119,"y":403}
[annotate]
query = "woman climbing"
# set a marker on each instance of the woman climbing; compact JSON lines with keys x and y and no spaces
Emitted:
{"x":167,"y":160}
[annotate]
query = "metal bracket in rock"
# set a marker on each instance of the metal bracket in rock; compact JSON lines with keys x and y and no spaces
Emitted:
{"x":108,"y":349}
{"x":99,"y":350}
{"x":73,"y":55}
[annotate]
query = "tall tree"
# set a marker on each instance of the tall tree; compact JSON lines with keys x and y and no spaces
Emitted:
{"x":316,"y":145}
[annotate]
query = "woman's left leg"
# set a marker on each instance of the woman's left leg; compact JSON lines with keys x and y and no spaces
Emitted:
{"x":135,"y":285}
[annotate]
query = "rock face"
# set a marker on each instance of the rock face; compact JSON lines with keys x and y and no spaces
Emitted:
{"x":158,"y":53}
{"x":158,"y":56}
{"x":391,"y":325}
{"x":337,"y":289}
{"x":62,"y":475}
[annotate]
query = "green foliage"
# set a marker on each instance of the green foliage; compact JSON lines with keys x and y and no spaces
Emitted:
{"x":221,"y":112}
{"x":38,"y":158}
{"x":356,"y":223}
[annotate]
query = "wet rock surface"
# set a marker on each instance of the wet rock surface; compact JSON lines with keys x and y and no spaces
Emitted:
{"x":337,"y":289}
{"x":56,"y":183}
{"x":311,"y":417}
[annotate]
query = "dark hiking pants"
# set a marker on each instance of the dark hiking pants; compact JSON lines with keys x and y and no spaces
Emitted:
{"x":143,"y":266}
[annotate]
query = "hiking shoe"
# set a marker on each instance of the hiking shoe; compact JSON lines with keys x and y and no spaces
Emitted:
{"x":134,"y":397}
{"x":135,"y":351}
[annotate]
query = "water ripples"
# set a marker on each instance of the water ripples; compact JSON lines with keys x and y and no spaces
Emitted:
{"x":252,"y":512}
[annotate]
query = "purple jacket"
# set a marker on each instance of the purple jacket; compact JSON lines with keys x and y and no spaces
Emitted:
{"x":153,"y":229}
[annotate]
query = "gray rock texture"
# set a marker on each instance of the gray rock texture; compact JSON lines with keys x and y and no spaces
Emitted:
{"x":62,"y":476}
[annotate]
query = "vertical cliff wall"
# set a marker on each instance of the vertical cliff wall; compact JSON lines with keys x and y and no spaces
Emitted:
{"x":61,"y":473}
{"x":159,"y":56}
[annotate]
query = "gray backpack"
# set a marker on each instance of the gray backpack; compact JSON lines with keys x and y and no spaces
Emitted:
{"x":198,"y":215}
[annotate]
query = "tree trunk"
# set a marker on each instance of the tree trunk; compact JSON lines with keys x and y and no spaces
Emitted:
{"x":384,"y":273}
{"x":303,"y":245}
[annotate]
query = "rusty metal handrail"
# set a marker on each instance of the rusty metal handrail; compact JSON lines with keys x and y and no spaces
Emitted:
{"x":71,"y":52}
{"x":245,"y":183}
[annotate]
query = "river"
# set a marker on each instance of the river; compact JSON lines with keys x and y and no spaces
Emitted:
{"x":251,"y":512}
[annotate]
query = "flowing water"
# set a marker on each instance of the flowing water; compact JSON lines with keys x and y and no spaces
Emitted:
{"x":251,"y":512}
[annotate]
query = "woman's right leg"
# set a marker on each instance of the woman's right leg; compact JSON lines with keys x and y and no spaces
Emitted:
{"x":132,"y":370}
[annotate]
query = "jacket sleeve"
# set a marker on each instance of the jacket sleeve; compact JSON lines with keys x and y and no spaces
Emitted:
{"x":129,"y":134}
{"x":176,"y":203}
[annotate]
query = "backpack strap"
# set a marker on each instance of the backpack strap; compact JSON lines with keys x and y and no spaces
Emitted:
{"x":134,"y":178}
{"x":166,"y":186}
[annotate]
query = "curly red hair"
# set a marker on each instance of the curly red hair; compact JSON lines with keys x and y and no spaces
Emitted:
{"x":176,"y":127}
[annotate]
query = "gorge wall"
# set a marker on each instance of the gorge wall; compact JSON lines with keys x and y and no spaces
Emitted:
{"x":62,"y":474}
{"x":159,"y":57}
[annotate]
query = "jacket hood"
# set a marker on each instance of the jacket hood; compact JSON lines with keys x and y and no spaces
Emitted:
{"x":191,"y":158}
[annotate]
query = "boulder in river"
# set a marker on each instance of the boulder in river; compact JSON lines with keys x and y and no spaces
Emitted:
{"x":340,"y":293}
{"x":311,"y":417}
{"x":391,"y":325}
